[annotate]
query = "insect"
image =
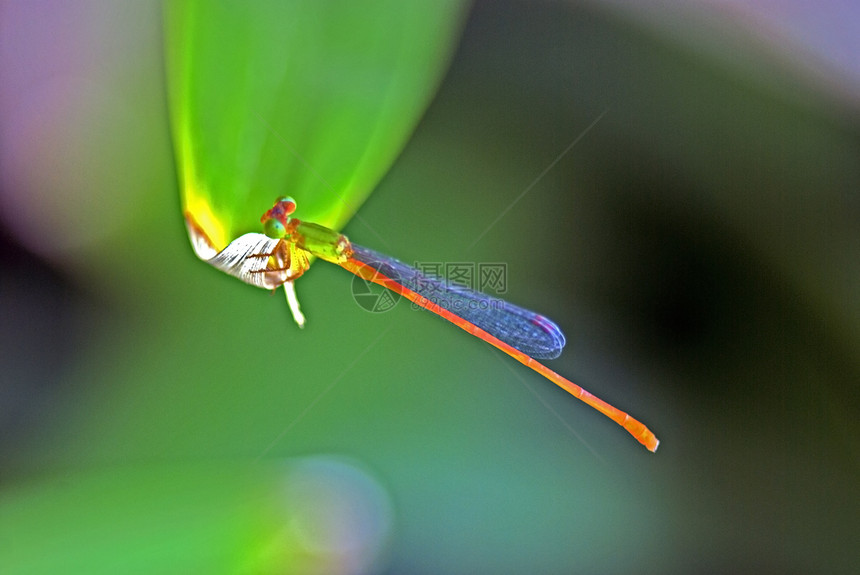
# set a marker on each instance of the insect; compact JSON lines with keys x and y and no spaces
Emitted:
{"x":282,"y":255}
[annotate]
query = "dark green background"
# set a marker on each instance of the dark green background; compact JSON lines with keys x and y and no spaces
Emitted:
{"x":698,"y":245}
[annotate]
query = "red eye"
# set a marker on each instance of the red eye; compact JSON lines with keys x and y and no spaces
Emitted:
{"x":287,"y":204}
{"x":283,"y":207}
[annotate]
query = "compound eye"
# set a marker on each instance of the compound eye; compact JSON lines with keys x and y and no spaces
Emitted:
{"x":287,"y":204}
{"x":274,"y":229}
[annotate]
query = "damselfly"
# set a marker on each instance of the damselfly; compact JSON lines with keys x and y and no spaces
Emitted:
{"x":283,"y":254}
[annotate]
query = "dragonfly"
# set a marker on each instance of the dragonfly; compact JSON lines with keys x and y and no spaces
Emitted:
{"x":284,"y":251}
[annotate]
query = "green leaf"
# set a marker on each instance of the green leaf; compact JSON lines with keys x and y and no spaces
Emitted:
{"x":309,"y":99}
{"x":304,"y":515}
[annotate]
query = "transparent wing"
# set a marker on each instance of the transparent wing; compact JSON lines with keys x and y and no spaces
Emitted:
{"x":520,"y":328}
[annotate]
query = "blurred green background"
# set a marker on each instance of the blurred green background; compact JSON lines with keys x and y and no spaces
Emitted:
{"x":699,"y":244}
